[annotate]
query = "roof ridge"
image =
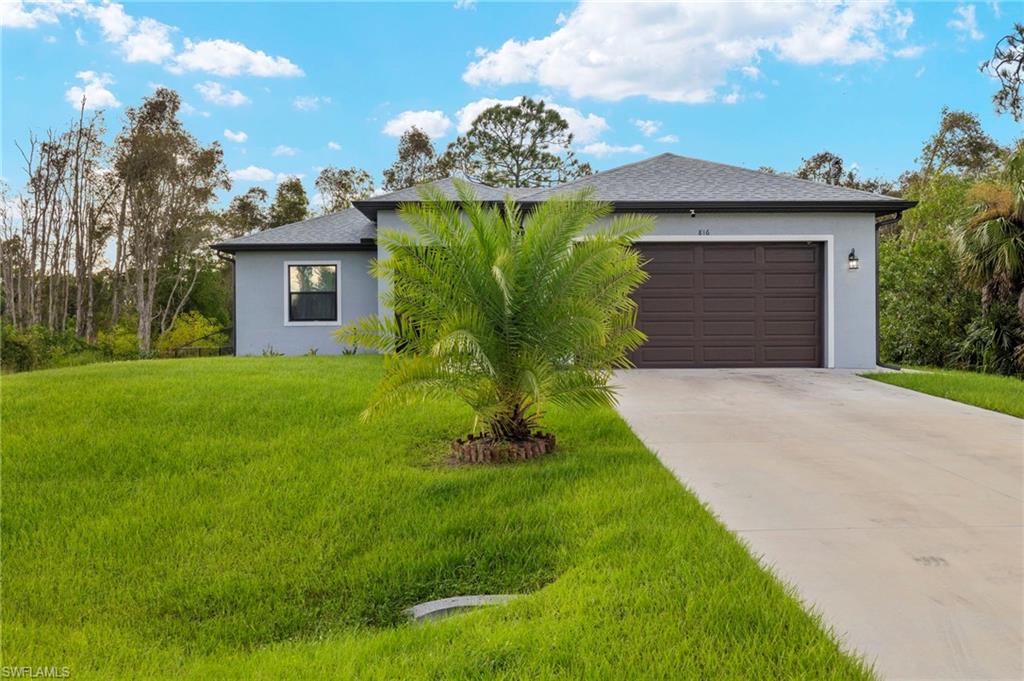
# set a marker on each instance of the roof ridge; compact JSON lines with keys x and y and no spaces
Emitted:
{"x":447,"y":179}
{"x":603,"y":172}
{"x":781,"y":176}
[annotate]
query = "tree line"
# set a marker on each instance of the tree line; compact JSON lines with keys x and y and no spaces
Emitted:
{"x":106,"y":246}
{"x":526,"y":144}
{"x":150,"y":193}
{"x":104,"y":250}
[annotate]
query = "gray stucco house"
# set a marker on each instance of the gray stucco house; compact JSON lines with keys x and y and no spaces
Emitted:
{"x":747,"y":269}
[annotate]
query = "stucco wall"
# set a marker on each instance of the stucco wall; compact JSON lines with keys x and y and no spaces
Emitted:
{"x":849,"y":295}
{"x":260,"y":303}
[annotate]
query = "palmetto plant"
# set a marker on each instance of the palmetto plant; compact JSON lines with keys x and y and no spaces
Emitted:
{"x":508,"y":310}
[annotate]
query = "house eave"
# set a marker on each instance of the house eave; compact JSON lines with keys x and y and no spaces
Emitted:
{"x":875,"y":207}
{"x":235,"y":248}
{"x":370,"y":208}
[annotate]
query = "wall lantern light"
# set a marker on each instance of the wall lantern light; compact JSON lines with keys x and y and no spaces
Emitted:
{"x":853,"y":262}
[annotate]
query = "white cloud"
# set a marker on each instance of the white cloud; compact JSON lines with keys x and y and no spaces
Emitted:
{"x":16,"y":15}
{"x":647,"y":128}
{"x":258,"y":174}
{"x":334,"y":146}
{"x":751,"y":72}
{"x":919,"y":72}
{"x":996,"y":9}
{"x":284,"y":150}
{"x":668,"y":139}
{"x":229,"y":58}
{"x":967,"y":25}
{"x":465,"y":4}
{"x":909,"y":52}
{"x":215,"y":93}
{"x":95,"y":91}
{"x":465,"y":116}
{"x":147,"y":40}
{"x":433,"y":123}
{"x":190,"y":110}
{"x":685,"y":52}
{"x":114,"y":22}
{"x":235,"y":136}
{"x":310,"y":103}
{"x":50,"y":39}
{"x":585,"y":128}
{"x":142,"y":40}
{"x":732,"y":98}
{"x":151,"y":42}
{"x":605,"y":149}
{"x":253,"y":174}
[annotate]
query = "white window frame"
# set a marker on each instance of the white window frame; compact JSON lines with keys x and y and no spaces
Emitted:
{"x":337,"y":286}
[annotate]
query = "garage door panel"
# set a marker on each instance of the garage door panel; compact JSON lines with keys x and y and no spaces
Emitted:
{"x":717,"y":303}
{"x":667,"y":253}
{"x":793,"y":303}
{"x":786,"y":354}
{"x":797,"y":280}
{"x":665,"y":333}
{"x":732,"y":280}
{"x":666,"y":304}
{"x":670,"y":356}
{"x":725,"y":304}
{"x":790,"y":254}
{"x":804,"y":327}
{"x":727,"y":254}
{"x":670,"y":281}
{"x":724,"y":354}
{"x":744,"y":328}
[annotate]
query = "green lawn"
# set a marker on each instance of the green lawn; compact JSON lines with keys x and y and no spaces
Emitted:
{"x":998,"y":393}
{"x":233,"y":518}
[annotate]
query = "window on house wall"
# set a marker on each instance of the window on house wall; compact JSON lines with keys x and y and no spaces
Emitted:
{"x":312,"y":293}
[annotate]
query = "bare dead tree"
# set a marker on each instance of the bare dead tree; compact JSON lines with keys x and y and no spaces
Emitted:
{"x":55,"y":229}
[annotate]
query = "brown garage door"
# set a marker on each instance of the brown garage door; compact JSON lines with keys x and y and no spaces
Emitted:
{"x":731,"y":305}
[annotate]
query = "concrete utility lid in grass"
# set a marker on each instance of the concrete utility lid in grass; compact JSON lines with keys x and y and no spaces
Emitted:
{"x":432,"y":610}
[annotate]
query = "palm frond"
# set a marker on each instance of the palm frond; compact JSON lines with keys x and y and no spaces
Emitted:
{"x":506,"y":310}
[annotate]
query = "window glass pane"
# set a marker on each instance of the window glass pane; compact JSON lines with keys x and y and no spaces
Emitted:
{"x":313,"y":307}
{"x":312,"y":278}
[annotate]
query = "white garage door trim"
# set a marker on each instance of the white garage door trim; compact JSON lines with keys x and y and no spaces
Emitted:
{"x":830,"y":273}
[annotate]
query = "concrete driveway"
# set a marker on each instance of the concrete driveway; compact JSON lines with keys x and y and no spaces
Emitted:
{"x":896,"y":514}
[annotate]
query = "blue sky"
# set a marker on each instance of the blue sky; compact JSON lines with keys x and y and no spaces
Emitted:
{"x":316,"y":84}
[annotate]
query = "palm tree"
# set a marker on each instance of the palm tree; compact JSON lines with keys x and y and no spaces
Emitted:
{"x":991,"y":242}
{"x":991,"y":249}
{"x":506,"y":310}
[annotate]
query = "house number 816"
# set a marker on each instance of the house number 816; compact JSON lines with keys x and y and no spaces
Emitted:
{"x":703,"y":232}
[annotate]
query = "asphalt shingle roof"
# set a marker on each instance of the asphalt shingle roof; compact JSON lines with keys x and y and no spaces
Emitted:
{"x":447,"y":186}
{"x":669,"y":178}
{"x":347,"y":229}
{"x":664,"y":182}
